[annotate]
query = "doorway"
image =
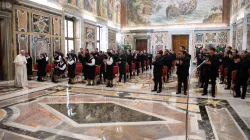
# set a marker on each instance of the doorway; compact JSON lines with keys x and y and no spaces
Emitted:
{"x":1,"y":50}
{"x":179,"y":40}
{"x":141,"y":44}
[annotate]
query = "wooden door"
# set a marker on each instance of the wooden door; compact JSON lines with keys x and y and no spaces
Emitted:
{"x":141,"y":44}
{"x":179,"y":40}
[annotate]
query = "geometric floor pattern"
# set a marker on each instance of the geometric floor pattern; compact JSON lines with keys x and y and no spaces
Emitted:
{"x":127,"y":111}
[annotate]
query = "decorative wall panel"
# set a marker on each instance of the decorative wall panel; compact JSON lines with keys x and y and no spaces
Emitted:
{"x":222,"y":37}
{"x":199,"y":37}
{"x":22,"y":42}
{"x":90,"y":37}
{"x":248,"y":36}
{"x":239,"y":36}
{"x":158,"y":38}
{"x":41,"y":44}
{"x":207,"y":39}
{"x":40,"y":23}
{"x":112,"y":40}
{"x":211,"y":37}
{"x":38,"y":33}
{"x":56,"y":26}
{"x":22,"y":20}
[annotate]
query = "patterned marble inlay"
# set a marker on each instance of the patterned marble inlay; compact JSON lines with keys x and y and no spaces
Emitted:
{"x":101,"y":113}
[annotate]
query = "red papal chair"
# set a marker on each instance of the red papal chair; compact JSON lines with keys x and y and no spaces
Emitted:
{"x":127,"y":70}
{"x":78,"y":63}
{"x":233,"y":80}
{"x":225,"y":76}
{"x":133,"y":68}
{"x":221,"y":70}
{"x":48,"y":70}
{"x":97,"y":73}
{"x":116,"y":73}
{"x":79,"y":71}
{"x":35,"y":68}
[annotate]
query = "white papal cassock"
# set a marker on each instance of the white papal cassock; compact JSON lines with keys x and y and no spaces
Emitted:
{"x":20,"y":71}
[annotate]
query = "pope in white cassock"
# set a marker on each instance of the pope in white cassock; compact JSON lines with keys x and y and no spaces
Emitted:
{"x":20,"y":70}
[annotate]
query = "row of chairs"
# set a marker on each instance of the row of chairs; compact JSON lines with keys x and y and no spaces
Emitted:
{"x":224,"y":72}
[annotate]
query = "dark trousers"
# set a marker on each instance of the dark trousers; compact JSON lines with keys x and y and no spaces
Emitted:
{"x":157,"y":81}
{"x":103,"y":74}
{"x":122,"y":72}
{"x":182,"y":79}
{"x":85,"y":71}
{"x":229,"y":79}
{"x":168,"y":72}
{"x":142,"y":67}
{"x":150,"y":64}
{"x":222,"y":76}
{"x":241,"y":83}
{"x":213,"y":84}
{"x":130,"y":70}
{"x":137,"y":65}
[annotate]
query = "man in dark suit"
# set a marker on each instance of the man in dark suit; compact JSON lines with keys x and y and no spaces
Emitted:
{"x":142,"y":59}
{"x":242,"y":65}
{"x":158,"y":65}
{"x":122,"y":66}
{"x":150,"y":57}
{"x":182,"y":64}
{"x":212,"y":62}
{"x":231,"y":67}
{"x":136,"y":57}
{"x":146,"y":58}
{"x":129,"y":61}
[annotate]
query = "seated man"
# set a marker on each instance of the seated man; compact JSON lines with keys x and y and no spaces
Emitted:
{"x":60,"y":69}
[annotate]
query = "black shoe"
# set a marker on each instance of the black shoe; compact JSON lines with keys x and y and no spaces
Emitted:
{"x":88,"y":85}
{"x":153,"y":90}
{"x":108,"y":86}
{"x":111,"y":86}
{"x":185,"y":93}
{"x":213,"y":96}
{"x":236,"y":96}
{"x":204,"y":94}
{"x":242,"y":98}
{"x":178,"y":93}
{"x":159,"y":91}
{"x":227,"y":88}
{"x":221,"y":83}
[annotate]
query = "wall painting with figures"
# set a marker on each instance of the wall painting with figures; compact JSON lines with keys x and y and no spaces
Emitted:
{"x":169,"y":12}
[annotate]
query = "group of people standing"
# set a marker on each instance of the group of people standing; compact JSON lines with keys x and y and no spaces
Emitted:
{"x":107,"y":60}
{"x":230,"y":60}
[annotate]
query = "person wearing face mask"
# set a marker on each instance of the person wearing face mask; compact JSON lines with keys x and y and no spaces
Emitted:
{"x":41,"y":73}
{"x":71,"y":68}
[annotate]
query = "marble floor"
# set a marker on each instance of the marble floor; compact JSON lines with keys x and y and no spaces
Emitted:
{"x":129,"y":111}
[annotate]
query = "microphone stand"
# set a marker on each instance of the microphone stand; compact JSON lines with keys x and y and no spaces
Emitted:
{"x":189,"y":83}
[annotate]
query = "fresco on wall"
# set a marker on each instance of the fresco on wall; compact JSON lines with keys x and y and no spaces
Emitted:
{"x":128,"y":39}
{"x":162,"y":12}
{"x":102,"y":8}
{"x":210,"y":37}
{"x":111,"y":10}
{"x":118,"y":11}
{"x":90,"y":33}
{"x":90,"y":6}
